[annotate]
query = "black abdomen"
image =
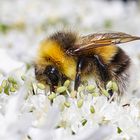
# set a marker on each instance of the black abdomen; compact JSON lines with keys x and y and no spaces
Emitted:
{"x":121,"y":62}
{"x":119,"y":69}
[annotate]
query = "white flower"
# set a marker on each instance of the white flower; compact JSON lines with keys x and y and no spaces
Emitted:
{"x":14,"y":125}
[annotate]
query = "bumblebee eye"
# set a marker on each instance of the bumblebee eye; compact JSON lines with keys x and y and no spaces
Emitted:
{"x":52,"y":75}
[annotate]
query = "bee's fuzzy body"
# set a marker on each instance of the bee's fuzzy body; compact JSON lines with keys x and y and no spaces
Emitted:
{"x":53,"y":51}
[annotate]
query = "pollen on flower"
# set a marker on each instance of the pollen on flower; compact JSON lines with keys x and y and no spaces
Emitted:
{"x":61,"y":89}
{"x":80,"y":103}
{"x":52,"y":96}
{"x":90,"y":88}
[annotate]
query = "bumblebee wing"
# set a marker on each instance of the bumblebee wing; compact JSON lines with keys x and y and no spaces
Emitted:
{"x":100,"y":40}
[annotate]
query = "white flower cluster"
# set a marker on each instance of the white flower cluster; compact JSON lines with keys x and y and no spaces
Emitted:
{"x":31,"y":113}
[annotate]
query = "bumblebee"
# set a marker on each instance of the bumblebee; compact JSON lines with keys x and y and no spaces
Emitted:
{"x":66,"y":55}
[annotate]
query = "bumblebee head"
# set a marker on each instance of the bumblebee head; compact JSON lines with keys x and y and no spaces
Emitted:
{"x":48,"y":75}
{"x":53,"y":65}
{"x":52,"y":76}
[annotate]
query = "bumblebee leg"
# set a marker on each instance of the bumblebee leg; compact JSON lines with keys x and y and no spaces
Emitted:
{"x":102,"y":69}
{"x":103,"y":72}
{"x":78,"y":73}
{"x":110,"y":92}
{"x":63,"y":79}
{"x":52,"y":88}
